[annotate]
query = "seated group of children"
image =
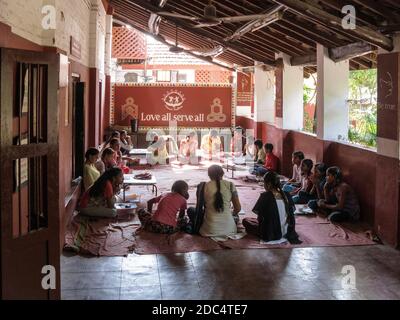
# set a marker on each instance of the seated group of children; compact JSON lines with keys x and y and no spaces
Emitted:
{"x":103,"y":175}
{"x":322,"y":190}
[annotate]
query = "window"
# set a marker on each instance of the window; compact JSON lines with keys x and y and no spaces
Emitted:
{"x":309,"y":100}
{"x":363,"y":107}
{"x":182,"y":77}
{"x":163,"y":76}
{"x":30,"y":128}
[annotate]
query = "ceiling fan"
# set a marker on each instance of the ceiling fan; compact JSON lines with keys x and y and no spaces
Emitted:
{"x":176,"y":48}
{"x":210,"y":18}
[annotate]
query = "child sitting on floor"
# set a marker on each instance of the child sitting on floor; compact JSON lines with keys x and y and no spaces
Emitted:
{"x":275,"y":213}
{"x":295,"y":182}
{"x":270,"y":164}
{"x":90,"y":172}
{"x":119,"y":158}
{"x":259,"y":152}
{"x":318,"y":179}
{"x":107,"y":160}
{"x":302,"y":194}
{"x":340,"y":199}
{"x":99,"y":200}
{"x":165,"y":219}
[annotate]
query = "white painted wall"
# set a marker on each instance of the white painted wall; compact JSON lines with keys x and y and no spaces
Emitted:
{"x":76,"y":23}
{"x":108,"y":45}
{"x":24,"y":18}
{"x":85,"y":20}
{"x":292,"y":96}
{"x":264,"y":95}
{"x":332,"y":95}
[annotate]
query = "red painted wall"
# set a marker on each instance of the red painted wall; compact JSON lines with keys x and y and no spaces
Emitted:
{"x":66,"y":142}
{"x":245,"y":123}
{"x":359,"y":170}
{"x":275,"y":136}
{"x":387,"y":218}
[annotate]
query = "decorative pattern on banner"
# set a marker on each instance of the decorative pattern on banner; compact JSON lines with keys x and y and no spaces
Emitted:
{"x":156,"y":105}
{"x":245,"y":90}
{"x":388,"y":92}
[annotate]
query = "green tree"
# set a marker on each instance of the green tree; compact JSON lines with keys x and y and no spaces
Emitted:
{"x":363,"y":107}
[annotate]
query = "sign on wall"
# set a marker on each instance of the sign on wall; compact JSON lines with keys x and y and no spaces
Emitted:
{"x":245,"y":89}
{"x":388,"y":84}
{"x":156,"y":105}
{"x":279,"y":93}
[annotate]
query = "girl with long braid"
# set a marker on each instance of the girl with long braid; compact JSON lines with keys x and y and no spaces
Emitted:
{"x":218,"y":195}
{"x":275,"y":213}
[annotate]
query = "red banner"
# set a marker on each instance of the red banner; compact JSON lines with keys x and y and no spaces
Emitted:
{"x":245,"y":89}
{"x":157,"y":105}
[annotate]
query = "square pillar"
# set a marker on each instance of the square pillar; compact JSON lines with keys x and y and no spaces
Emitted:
{"x":332,"y":96}
{"x":289,"y":95}
{"x":264,"y":95}
{"x":387,"y":211}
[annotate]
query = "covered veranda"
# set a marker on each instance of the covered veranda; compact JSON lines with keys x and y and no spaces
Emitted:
{"x":282,"y":43}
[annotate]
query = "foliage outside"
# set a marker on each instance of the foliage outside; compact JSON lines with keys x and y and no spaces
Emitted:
{"x":309,"y":95}
{"x":363,"y":107}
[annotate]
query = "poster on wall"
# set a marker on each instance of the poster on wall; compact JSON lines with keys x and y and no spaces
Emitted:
{"x":156,"y":105}
{"x":245,"y":89}
{"x":388,"y":84}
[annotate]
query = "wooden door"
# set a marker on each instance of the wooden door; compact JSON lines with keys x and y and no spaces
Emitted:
{"x":29,"y":173}
{"x":78,"y":151}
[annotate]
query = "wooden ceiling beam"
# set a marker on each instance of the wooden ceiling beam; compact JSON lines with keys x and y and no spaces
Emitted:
{"x":350,"y":51}
{"x":308,"y":60}
{"x":305,"y":30}
{"x":163,"y":41}
{"x":204,"y":34}
{"x":339,"y":4}
{"x":327,"y":19}
{"x":274,"y":15}
{"x":379,"y":9}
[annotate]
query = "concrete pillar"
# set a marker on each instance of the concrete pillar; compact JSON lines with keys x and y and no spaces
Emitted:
{"x":97,"y":39}
{"x":387,"y":215}
{"x":264,"y":95}
{"x":108,"y":45}
{"x":108,"y":67}
{"x":289,"y":95}
{"x":332,"y":96}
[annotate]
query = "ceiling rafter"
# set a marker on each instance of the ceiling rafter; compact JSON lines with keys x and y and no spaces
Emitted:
{"x":211,"y":37}
{"x":321,"y":17}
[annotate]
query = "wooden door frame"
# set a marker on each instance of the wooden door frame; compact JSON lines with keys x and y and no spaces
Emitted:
{"x":9,"y":153}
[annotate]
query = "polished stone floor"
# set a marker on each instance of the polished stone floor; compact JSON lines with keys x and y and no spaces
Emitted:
{"x":283,"y":274}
